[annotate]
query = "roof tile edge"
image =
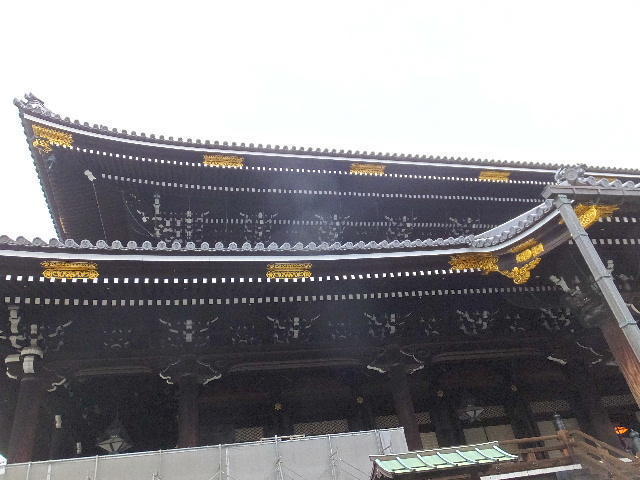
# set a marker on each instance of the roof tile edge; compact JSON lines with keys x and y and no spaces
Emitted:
{"x":35,"y":106}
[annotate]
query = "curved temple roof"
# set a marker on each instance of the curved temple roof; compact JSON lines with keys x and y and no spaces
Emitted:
{"x":492,"y":238}
{"x":32,"y":105}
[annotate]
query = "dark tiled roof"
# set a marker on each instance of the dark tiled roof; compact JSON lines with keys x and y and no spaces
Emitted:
{"x":33,"y":105}
{"x":492,"y":237}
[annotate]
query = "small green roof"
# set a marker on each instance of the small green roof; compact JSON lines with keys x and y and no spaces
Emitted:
{"x":441,"y":458}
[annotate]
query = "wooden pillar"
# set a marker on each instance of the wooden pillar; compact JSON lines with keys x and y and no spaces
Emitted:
{"x":403,"y":404}
{"x":188,"y":413}
{"x":25,"y":420}
{"x":592,"y":415}
{"x":280,"y":420}
{"x":56,"y":445}
{"x":446,"y":426}
{"x":360,"y":417}
{"x":6,"y":407}
{"x":518,"y":411}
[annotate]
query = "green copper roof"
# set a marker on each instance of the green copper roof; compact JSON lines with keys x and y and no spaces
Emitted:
{"x":441,"y":458}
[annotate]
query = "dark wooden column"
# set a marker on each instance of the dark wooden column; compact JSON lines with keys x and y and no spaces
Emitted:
{"x":517,"y":406}
{"x":188,"y":413}
{"x":6,"y":409}
{"x":58,"y":436}
{"x":403,"y":404}
{"x":280,"y":420}
{"x":360,"y":417}
{"x":25,"y":420}
{"x":591,"y":414}
{"x":446,"y":426}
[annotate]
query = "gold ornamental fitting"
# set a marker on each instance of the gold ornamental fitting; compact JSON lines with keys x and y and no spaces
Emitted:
{"x":494,"y":175}
{"x":229,"y":161}
{"x":289,"y":270}
{"x":367,"y":169}
{"x":57,"y":269}
{"x":590,"y":214}
{"x":47,"y":137}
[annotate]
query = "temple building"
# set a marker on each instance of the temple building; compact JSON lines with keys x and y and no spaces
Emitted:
{"x":202,"y":293}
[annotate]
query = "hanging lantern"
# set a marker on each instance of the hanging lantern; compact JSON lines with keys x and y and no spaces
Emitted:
{"x":116,"y":439}
{"x":470,"y":412}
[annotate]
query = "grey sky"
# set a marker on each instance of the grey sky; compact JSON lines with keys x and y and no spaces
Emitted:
{"x":548,"y":81}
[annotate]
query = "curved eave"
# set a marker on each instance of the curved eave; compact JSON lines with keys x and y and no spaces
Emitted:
{"x":43,"y":179}
{"x":26,"y":258}
{"x":44,"y":116}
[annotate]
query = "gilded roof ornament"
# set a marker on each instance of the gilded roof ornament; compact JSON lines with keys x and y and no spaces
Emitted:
{"x":488,"y":263}
{"x":367,"y":169}
{"x":588,"y":214}
{"x":527,"y":254}
{"x":289,"y":270}
{"x":495,"y":175}
{"x":58,"y":269}
{"x":47,"y":137}
{"x":229,"y":161}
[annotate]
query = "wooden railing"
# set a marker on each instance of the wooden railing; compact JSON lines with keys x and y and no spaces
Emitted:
{"x":568,"y":447}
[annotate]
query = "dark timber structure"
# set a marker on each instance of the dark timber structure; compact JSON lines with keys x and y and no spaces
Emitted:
{"x":204,"y":293}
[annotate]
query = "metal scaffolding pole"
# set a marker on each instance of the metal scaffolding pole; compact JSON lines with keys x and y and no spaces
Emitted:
{"x":623,"y":336}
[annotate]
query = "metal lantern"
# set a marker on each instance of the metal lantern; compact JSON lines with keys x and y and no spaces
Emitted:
{"x":116,"y":439}
{"x":470,"y":412}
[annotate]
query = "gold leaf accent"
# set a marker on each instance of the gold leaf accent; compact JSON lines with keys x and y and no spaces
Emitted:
{"x":495,"y":175}
{"x":42,"y":145}
{"x":489,"y":263}
{"x":524,"y":245}
{"x":367,"y":169}
{"x":58,"y":269}
{"x":477,"y":261}
{"x":529,"y":253}
{"x":52,"y":136}
{"x":590,"y":214}
{"x":522,"y":274}
{"x":231,"y":161}
{"x":289,"y":270}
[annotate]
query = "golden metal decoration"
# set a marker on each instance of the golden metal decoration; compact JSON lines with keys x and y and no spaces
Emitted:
{"x":590,"y":214}
{"x":521,"y":275}
{"x":494,"y":175}
{"x":46,"y":137}
{"x":524,"y":245}
{"x":58,"y":269}
{"x":529,"y":253}
{"x":489,"y":263}
{"x":367,"y":169}
{"x":230,"y":161}
{"x":289,"y":270}
{"x":477,"y":261}
{"x":42,"y":145}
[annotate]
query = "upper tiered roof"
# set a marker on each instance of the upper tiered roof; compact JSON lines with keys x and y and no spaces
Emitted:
{"x":111,"y":189}
{"x":30,"y":105}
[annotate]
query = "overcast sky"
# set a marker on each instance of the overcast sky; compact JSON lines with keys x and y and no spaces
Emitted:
{"x":547,"y":81}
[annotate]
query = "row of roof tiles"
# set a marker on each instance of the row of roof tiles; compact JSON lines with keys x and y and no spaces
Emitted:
{"x":493,"y":237}
{"x":32,"y":104}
